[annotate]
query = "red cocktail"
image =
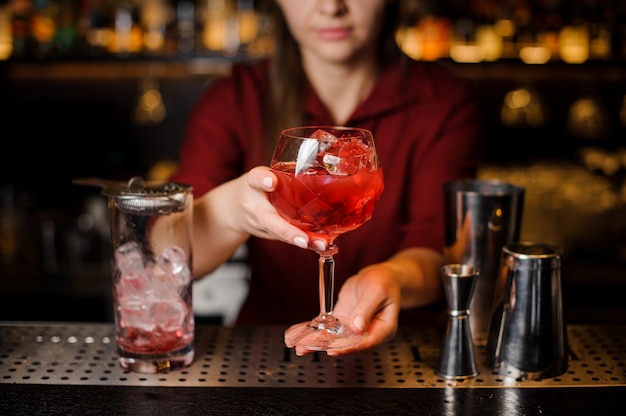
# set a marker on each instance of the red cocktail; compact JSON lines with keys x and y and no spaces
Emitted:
{"x":326,"y":205}
{"x":329,"y":181}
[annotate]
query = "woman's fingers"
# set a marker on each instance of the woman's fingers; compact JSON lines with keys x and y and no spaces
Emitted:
{"x":261,"y":178}
{"x":264,"y":217}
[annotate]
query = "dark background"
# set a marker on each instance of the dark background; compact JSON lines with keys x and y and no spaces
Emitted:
{"x":68,"y":118}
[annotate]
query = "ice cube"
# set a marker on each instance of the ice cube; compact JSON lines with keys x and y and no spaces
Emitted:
{"x":128,"y":258}
{"x":324,"y":135}
{"x":342,"y":158}
{"x":169,"y":315}
{"x":133,"y":286}
{"x":136,"y":314}
{"x":132,"y":282}
{"x":173,"y":259}
{"x":170,"y":273}
{"x":333,"y":164}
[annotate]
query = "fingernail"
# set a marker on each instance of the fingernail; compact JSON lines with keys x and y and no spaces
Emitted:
{"x":319,"y":245}
{"x":268,"y":182}
{"x":300,"y":242}
{"x":359,"y":322}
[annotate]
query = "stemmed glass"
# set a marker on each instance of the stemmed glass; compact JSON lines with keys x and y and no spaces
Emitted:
{"x":329,"y":180}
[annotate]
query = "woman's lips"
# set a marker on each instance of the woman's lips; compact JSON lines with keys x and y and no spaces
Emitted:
{"x":334,"y":33}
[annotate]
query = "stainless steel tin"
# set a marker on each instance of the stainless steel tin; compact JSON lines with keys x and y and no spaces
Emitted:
{"x":527,"y":335}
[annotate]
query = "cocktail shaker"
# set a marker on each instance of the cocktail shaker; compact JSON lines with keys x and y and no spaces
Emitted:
{"x":481,"y":217}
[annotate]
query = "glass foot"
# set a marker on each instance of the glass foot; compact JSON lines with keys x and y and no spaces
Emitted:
{"x":318,"y":337}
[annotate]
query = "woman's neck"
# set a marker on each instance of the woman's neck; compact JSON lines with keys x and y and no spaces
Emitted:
{"x":342,"y":87}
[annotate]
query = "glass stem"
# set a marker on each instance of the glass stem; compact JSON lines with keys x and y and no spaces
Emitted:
{"x":327,"y":288}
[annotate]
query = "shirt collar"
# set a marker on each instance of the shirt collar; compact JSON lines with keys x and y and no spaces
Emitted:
{"x":398,"y":85}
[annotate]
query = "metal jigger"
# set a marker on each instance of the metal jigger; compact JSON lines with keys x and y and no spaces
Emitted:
{"x":457,"y":359}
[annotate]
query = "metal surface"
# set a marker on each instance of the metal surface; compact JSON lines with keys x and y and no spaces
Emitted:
{"x":84,"y":354}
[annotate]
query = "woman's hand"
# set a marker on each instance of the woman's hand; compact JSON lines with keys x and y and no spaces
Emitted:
{"x":259,"y":217}
{"x":369,"y":303}
{"x":225,"y":217}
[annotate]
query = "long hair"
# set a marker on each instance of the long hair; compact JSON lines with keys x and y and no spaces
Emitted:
{"x":287,"y":80}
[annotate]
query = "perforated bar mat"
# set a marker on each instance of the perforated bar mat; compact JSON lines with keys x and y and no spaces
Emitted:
{"x":44,"y":353}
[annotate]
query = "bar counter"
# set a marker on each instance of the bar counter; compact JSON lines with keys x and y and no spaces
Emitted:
{"x":65,"y":368}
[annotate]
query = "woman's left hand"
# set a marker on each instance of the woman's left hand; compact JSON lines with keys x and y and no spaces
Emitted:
{"x":369,"y":303}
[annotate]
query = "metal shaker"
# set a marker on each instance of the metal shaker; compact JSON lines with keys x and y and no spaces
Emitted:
{"x":481,"y":217}
{"x":527,"y":336}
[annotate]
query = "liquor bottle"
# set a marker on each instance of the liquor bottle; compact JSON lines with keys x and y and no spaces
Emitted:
{"x":6,"y":35}
{"x":21,"y":11}
{"x":43,"y":26}
{"x":186,"y":27}
{"x":65,"y":40}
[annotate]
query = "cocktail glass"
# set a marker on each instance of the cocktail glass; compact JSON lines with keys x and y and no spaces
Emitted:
{"x":329,"y":181}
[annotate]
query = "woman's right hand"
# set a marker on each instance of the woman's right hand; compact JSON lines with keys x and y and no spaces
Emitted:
{"x":225,"y":217}
{"x":260,"y":218}
{"x":257,"y":215}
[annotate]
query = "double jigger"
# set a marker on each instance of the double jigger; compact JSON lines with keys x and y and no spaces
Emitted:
{"x":457,"y":358}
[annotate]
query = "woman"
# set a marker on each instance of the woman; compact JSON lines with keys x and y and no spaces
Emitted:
{"x":336,"y":63}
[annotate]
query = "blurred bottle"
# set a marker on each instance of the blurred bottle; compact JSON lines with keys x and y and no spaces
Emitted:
{"x":574,"y":35}
{"x":97,"y":23}
{"x":574,"y":43}
{"x":156,"y":15}
{"x":186,"y":27}
{"x":122,"y":40}
{"x":506,"y":28}
{"x":488,"y":38}
{"x":248,"y":24}
{"x":66,"y":36}
{"x":463,"y":47}
{"x":490,"y":41}
{"x":21,"y":12}
{"x":433,"y":33}
{"x":6,"y":35}
{"x":221,"y":27}
{"x":600,"y":22}
{"x":262,"y":44}
{"x":43,"y":24}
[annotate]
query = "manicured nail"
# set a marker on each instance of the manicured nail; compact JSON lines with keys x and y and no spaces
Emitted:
{"x":319,"y":245}
{"x":300,"y":242}
{"x":268,"y":182}
{"x":359,"y":322}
